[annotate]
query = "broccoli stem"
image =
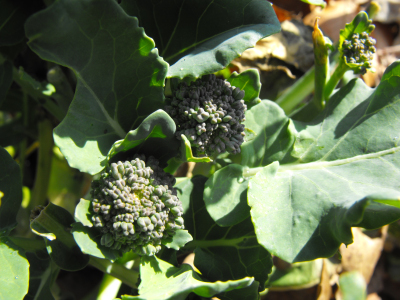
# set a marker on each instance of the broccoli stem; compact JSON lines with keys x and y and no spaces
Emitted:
{"x":110,"y":285}
{"x":321,"y":62}
{"x":335,"y":78}
{"x":39,"y":192}
{"x":297,"y":92}
{"x":127,"y":276}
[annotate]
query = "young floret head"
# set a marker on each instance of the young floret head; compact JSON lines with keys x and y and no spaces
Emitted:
{"x":209,"y":113}
{"x":135,"y":206}
{"x":358,"y":52}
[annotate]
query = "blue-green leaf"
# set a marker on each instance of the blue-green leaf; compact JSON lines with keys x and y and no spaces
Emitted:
{"x":14,"y":275}
{"x":343,"y":171}
{"x":177,"y":283}
{"x":120,"y":76}
{"x":201,"y":37}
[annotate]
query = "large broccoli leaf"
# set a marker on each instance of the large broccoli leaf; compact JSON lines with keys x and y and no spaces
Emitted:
{"x":201,"y":37}
{"x":177,"y":283}
{"x":343,"y":171}
{"x":219,"y":249}
{"x":274,"y":134}
{"x":338,"y":171}
{"x":120,"y":75}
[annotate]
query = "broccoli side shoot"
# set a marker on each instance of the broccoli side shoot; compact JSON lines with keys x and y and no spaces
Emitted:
{"x":359,"y":51}
{"x":209,"y":112}
{"x":135,"y":206}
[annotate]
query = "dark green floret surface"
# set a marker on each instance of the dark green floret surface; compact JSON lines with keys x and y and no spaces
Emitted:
{"x":135,"y":206}
{"x":209,"y":112}
{"x":359,"y":49}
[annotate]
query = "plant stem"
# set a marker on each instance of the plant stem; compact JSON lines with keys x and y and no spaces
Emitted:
{"x":321,"y":63}
{"x":39,"y":192}
{"x":110,"y":285}
{"x":335,"y":78}
{"x":129,"y":277}
{"x":22,"y":145}
{"x":38,"y":96}
{"x":297,"y":92}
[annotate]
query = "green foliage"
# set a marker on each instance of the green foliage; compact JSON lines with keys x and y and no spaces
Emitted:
{"x":288,"y":188}
{"x":111,"y":98}
{"x":353,"y":286}
{"x":14,"y":275}
{"x":202,"y":37}
{"x":178,"y":283}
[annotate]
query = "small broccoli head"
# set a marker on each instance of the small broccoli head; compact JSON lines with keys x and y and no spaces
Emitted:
{"x":209,"y":112}
{"x":135,"y":206}
{"x":359,"y":50}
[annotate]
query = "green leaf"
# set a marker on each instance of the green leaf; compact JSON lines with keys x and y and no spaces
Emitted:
{"x":274,"y":135}
{"x":88,"y":240}
{"x":155,"y":136}
{"x":5,"y":77}
{"x":105,"y":48}
{"x":82,"y":212}
{"x":11,"y":187}
{"x":353,"y":286}
{"x":297,"y":276}
{"x":43,"y":274}
{"x":178,"y":240}
{"x":343,"y":171}
{"x":225,"y":196}
{"x":177,"y":283}
{"x":202,"y":37}
{"x":359,"y":24}
{"x":88,"y":237}
{"x":249,"y":82}
{"x":219,"y":249}
{"x":187,"y":153}
{"x":14,"y":275}
{"x":53,"y":223}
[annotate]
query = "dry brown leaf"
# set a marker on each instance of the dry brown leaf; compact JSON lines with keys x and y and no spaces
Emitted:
{"x":324,"y":290}
{"x":364,"y":253}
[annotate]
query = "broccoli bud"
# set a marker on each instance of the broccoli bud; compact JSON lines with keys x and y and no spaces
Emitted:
{"x":209,"y":112}
{"x":359,"y":50}
{"x":135,"y":206}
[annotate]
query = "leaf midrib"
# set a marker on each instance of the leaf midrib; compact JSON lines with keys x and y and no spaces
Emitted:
{"x":250,"y":172}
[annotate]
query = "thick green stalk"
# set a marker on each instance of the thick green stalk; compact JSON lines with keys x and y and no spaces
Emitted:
{"x":23,"y":143}
{"x":335,"y":78}
{"x":110,"y":285}
{"x":42,"y":179}
{"x":297,"y":92}
{"x":127,"y":276}
{"x":321,"y":63}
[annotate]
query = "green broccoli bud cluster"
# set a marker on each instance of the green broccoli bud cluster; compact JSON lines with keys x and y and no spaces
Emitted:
{"x":135,"y":206}
{"x":359,"y":49}
{"x":209,"y":112}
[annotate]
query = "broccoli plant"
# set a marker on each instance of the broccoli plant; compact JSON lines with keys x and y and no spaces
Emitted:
{"x":115,"y":96}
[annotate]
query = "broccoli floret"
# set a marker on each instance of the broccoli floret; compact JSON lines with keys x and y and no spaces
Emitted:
{"x":135,"y":206}
{"x":359,"y":49}
{"x":209,"y":112}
